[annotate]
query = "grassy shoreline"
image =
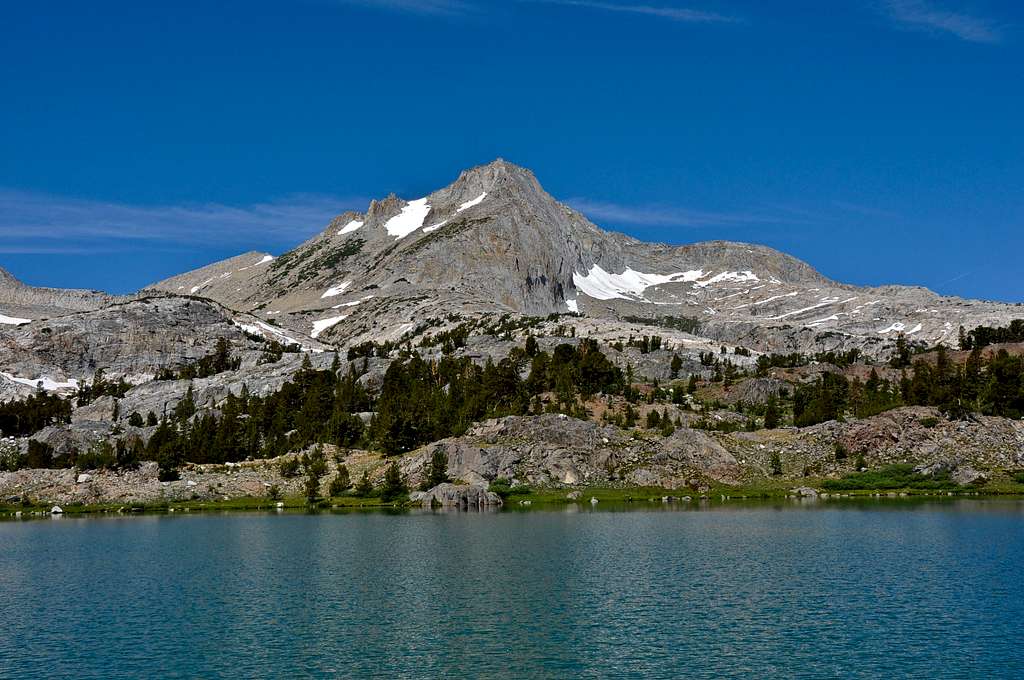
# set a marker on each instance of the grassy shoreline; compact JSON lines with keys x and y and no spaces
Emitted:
{"x":765,"y":490}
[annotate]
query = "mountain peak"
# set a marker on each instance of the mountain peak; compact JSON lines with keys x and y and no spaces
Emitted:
{"x":497,"y":174}
{"x":8,"y":280}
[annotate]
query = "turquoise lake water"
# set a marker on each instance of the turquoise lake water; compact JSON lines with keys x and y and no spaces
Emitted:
{"x":901,"y":589}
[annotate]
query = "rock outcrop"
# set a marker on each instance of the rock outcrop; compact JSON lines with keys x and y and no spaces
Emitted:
{"x":464,"y":496}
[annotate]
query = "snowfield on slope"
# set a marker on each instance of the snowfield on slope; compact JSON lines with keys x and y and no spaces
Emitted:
{"x":13,"y":320}
{"x":629,"y":285}
{"x":322,"y":325}
{"x":350,"y":227}
{"x":465,"y":206}
{"x":48,"y":384}
{"x":336,"y":290}
{"x":409,"y":220}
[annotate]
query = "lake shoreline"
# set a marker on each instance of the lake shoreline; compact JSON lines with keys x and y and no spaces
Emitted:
{"x":541,"y":499}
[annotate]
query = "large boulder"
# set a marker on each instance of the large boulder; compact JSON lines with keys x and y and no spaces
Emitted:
{"x":965,"y":475}
{"x":463,"y":496}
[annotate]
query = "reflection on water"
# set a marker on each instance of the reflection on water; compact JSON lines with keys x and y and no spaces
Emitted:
{"x":915,"y":587}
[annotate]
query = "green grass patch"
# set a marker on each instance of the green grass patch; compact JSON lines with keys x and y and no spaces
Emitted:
{"x":889,"y":478}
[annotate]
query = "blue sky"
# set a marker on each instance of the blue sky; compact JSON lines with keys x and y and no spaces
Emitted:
{"x":880,"y":140}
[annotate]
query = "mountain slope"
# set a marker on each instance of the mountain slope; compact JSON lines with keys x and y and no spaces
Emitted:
{"x":495,"y":242}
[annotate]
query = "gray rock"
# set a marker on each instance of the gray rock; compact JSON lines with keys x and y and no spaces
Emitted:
{"x":459,"y":496}
{"x":965,"y":475}
{"x":804,"y":492}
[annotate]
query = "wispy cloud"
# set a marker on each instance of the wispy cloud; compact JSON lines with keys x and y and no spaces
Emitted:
{"x":442,"y":7}
{"x":671,"y":216}
{"x":40,"y":223}
{"x":923,"y":15}
{"x":681,"y":14}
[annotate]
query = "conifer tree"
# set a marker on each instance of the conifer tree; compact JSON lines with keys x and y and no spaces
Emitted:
{"x":393,"y":486}
{"x":364,"y":489}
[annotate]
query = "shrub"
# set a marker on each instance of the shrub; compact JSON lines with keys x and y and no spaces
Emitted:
{"x":289,"y":468}
{"x":504,"y":488}
{"x":100,"y":456}
{"x":40,"y":455}
{"x":929,"y":422}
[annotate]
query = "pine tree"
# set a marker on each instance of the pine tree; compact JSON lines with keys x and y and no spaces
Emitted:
{"x":393,"y":486}
{"x":531,"y":346}
{"x":341,"y":482}
{"x":364,"y":489}
{"x":436,"y":470}
{"x":653,"y":419}
{"x":315,"y":466}
{"x":676,"y":366}
{"x":771,"y":414}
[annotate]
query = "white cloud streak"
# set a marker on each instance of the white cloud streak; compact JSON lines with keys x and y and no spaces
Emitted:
{"x":922,"y":15}
{"x":435,"y":7}
{"x":669,"y":216}
{"x":680,"y":14}
{"x":40,"y":223}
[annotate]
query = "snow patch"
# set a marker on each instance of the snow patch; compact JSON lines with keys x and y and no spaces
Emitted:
{"x":264,"y":260}
{"x":353,"y":303}
{"x":409,"y":220}
{"x":48,"y":384}
{"x":915,"y":329}
{"x":465,"y":206}
{"x":469,"y":204}
{"x":737,"y":277}
{"x":13,"y":320}
{"x":261,"y":328}
{"x":204,"y":284}
{"x":825,"y":303}
{"x":898,"y":326}
{"x":336,"y":290}
{"x":322,"y":325}
{"x":350,"y":227}
{"x":629,"y":285}
{"x":572,"y":306}
{"x":818,"y":322}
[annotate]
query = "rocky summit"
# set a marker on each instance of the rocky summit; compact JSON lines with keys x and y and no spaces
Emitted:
{"x":474,"y":270}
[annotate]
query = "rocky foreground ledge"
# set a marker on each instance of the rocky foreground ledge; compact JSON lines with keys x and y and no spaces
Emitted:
{"x":554,"y":452}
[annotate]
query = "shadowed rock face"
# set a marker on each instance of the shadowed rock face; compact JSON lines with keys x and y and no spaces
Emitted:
{"x":495,"y":241}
